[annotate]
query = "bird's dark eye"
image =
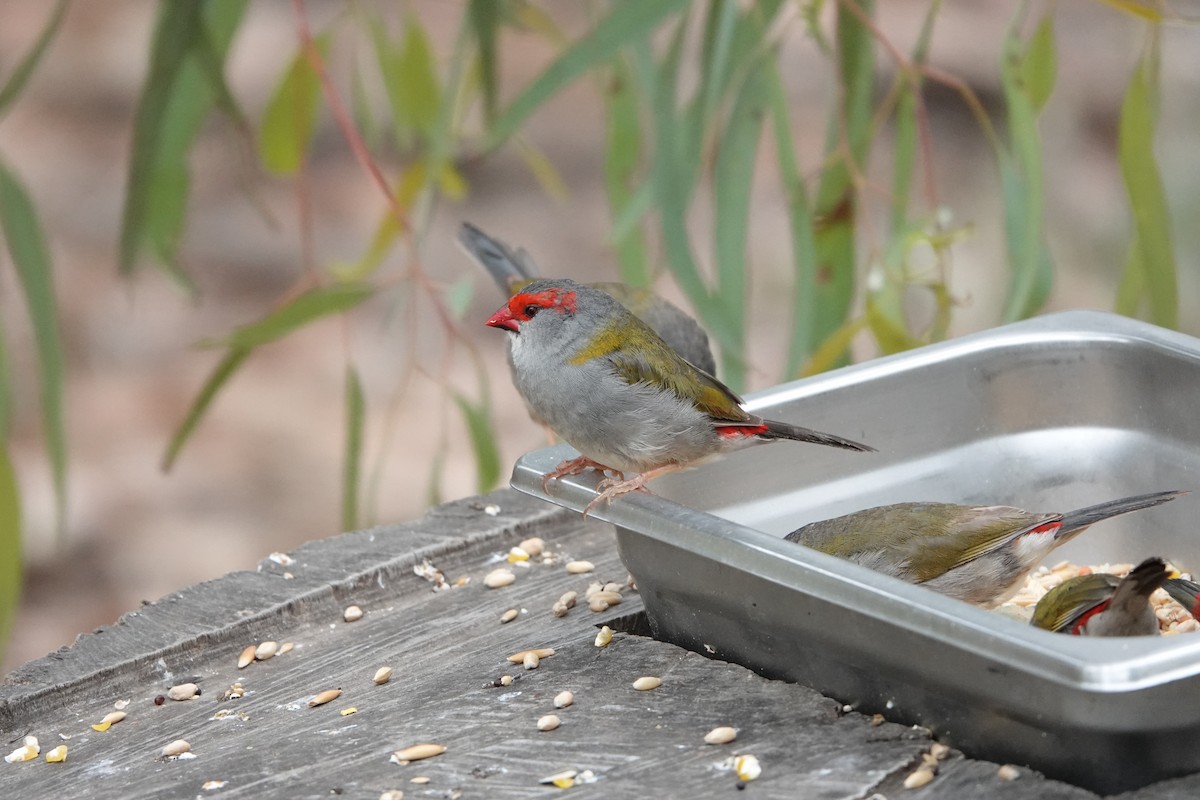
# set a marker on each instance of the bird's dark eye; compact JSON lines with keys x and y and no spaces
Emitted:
{"x":531,"y":310}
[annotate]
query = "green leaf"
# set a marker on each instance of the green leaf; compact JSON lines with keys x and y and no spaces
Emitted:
{"x":1040,"y":65}
{"x":20,"y":76}
{"x":485,"y":22}
{"x":26,"y":246}
{"x":626,"y":23}
{"x":1147,"y":198}
{"x":177,"y":96}
{"x":622,"y":158}
{"x":228,"y":365}
{"x":733,"y":176}
{"x":418,"y":93}
{"x":10,"y":546}
{"x":291,"y":115}
{"x":483,"y":443}
{"x":352,"y":452}
{"x":301,"y":310}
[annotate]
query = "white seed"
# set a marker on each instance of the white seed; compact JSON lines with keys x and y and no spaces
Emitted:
{"x":939,"y":750}
{"x":722,"y":735}
{"x":918,"y":778}
{"x":419,"y":779}
{"x":23,"y":753}
{"x":747,"y":767}
{"x":563,"y":699}
{"x":558,"y":610}
{"x":531,"y":660}
{"x":518,"y":555}
{"x":121,"y":705}
{"x":417,"y":752}
{"x":266,"y":650}
{"x":321,"y":698}
{"x":1008,"y":773}
{"x":562,"y":780}
{"x":352,"y":614}
{"x":612,"y":587}
{"x":612,"y":598}
{"x":286,"y":647}
{"x":646,"y":683}
{"x":593,"y":587}
{"x":392,"y":794}
{"x":542,"y":652}
{"x":57,"y":755}
{"x":183,"y":691}
{"x":247,"y":656}
{"x":534,"y":546}
{"x":580,"y":567}
{"x":604,"y":636}
{"x":382,"y":676}
{"x":509,"y":616}
{"x":212,"y":786}
{"x":113,"y":717}
{"x":176,"y":748}
{"x":498,"y":577}
{"x":506,"y":680}
{"x":345,"y":712}
{"x":548,"y":722}
{"x":596,"y":604}
{"x":568,"y":599}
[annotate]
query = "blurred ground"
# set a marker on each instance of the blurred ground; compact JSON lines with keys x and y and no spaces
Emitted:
{"x":263,"y":471}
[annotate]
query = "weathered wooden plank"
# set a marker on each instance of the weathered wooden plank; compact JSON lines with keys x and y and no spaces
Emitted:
{"x":447,"y":648}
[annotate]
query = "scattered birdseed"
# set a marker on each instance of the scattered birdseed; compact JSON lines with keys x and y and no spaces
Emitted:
{"x":121,"y":705}
{"x":235,"y":692}
{"x":1008,"y":772}
{"x":509,"y":616}
{"x":345,"y":712}
{"x":498,"y":578}
{"x":568,"y":599}
{"x":562,"y":780}
{"x":646,"y":683}
{"x":604,"y":637}
{"x":417,"y":752}
{"x":597,"y":605}
{"x":548,"y":722}
{"x":518,"y":555}
{"x":247,"y":656}
{"x":542,"y":652}
{"x":531,"y":660}
{"x":286,"y":647}
{"x":580,"y":567}
{"x":321,"y":698}
{"x":491,"y":509}
{"x":28,"y":751}
{"x":282,"y":559}
{"x":558,"y":609}
{"x":747,"y":767}
{"x":429,"y":572}
{"x":382,"y":676}
{"x":533,"y":546}
{"x":506,"y":680}
{"x":184,"y":691}
{"x":877,"y":720}
{"x":352,"y":614}
{"x":419,"y":779}
{"x":266,"y":650}
{"x":563,"y":699}
{"x":939,"y":751}
{"x":212,"y":786}
{"x":57,"y":755}
{"x":176,"y":748}
{"x":722,"y":735}
{"x":611,"y":598}
{"x":110,"y":719}
{"x":160,"y":699}
{"x":919,"y":777}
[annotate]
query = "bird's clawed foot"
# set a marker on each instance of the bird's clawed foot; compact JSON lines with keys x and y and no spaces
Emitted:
{"x":615,"y":487}
{"x":576,"y":466}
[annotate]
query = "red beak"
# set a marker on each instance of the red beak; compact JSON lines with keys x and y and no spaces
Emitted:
{"x":503,"y":319}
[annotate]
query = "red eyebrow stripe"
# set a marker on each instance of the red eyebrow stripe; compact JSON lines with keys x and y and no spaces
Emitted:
{"x":547,"y":298}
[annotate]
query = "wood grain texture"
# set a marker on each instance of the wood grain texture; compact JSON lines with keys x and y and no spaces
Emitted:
{"x":446,"y":648}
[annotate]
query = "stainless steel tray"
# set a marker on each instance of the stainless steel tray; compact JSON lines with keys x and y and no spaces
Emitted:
{"x":1050,"y":414}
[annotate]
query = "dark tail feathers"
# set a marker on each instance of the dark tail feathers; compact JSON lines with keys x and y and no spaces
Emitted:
{"x":1076,"y":521}
{"x":508,"y":268}
{"x":782,"y":430}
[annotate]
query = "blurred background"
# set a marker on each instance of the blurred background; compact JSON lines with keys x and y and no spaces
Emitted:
{"x":263,"y":469}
